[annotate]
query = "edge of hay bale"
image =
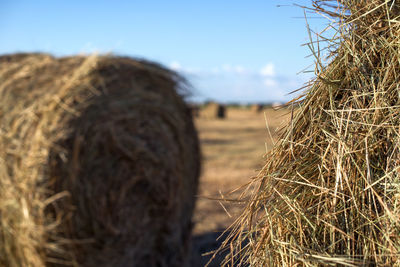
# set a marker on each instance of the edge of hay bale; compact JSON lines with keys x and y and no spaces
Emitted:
{"x":329,"y":191}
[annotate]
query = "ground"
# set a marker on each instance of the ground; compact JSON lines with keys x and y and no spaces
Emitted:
{"x":233,"y":150}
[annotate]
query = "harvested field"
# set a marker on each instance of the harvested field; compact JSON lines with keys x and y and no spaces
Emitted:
{"x":232,"y":153}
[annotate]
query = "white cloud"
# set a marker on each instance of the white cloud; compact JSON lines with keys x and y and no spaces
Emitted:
{"x":239,"y":69}
{"x":215,"y":70}
{"x":268,"y":82}
{"x":175,"y":65}
{"x":234,"y":82}
{"x":268,"y":70}
{"x":190,"y":70}
{"x":227,"y":67}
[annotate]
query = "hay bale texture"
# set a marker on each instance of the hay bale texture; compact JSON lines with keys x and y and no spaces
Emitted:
{"x":99,"y":162}
{"x":329,"y":193}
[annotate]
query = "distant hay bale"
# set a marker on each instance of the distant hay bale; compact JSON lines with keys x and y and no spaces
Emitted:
{"x":214,"y":110}
{"x":195,"y":110}
{"x":257,"y":108}
{"x":329,"y":194}
{"x":221,"y":111}
{"x":99,"y":162}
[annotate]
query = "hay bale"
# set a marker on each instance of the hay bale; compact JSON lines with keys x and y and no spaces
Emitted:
{"x":195,"y":110}
{"x":99,"y":162}
{"x":257,"y":108}
{"x":214,"y":110}
{"x":221,"y":110}
{"x":329,"y":193}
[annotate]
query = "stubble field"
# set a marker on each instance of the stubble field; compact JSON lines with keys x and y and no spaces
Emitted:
{"x":233,"y":150}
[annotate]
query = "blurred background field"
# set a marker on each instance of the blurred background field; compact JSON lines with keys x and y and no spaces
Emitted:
{"x":232,"y":150}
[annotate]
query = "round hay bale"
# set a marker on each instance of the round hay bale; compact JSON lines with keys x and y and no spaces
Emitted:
{"x":257,"y":108}
{"x":221,"y":112}
{"x":214,"y":110}
{"x":99,"y":162}
{"x":329,"y":193}
{"x":195,"y":110}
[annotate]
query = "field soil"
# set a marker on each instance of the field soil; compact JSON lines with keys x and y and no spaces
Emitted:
{"x":232,"y":153}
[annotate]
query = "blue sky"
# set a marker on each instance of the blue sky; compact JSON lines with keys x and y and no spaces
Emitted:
{"x":242,"y":51}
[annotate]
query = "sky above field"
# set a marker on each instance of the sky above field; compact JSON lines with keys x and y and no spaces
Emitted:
{"x":231,"y":51}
